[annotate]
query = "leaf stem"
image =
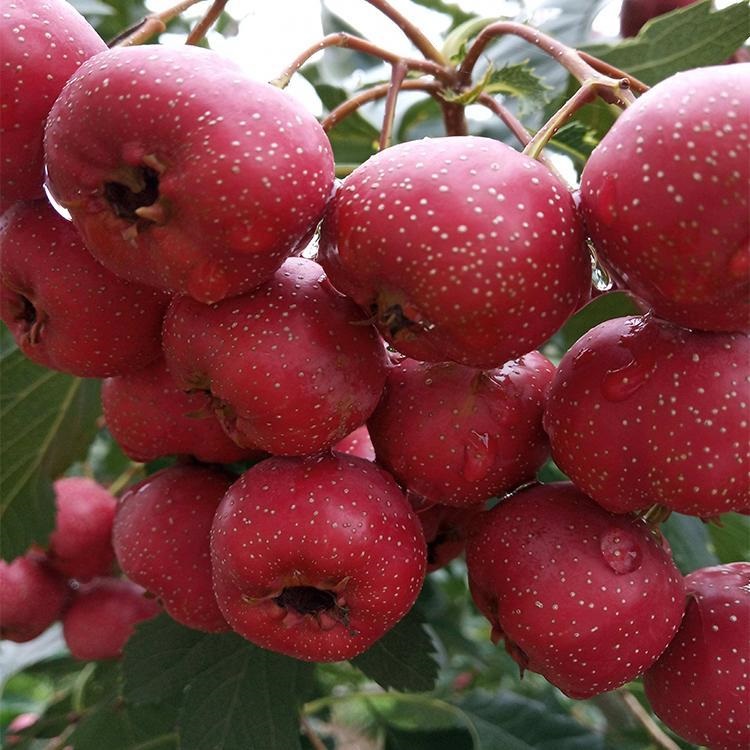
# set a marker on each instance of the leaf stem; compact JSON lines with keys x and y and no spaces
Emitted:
{"x":516,"y":127}
{"x":349,"y":41}
{"x":124,"y":479}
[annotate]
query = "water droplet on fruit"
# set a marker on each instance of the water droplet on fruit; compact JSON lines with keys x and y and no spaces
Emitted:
{"x":621,"y":550}
{"x":600,"y":278}
{"x":620,"y":384}
{"x":478,"y":456}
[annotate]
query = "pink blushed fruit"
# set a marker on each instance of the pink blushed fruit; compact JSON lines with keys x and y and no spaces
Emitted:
{"x":316,"y":557}
{"x":80,"y":546}
{"x":700,"y":686}
{"x":161,"y":537}
{"x":42,"y":43}
{"x":461,"y":249}
{"x":456,"y":435}
{"x":642,"y":411}
{"x":205,"y":188}
{"x":666,"y":193}
{"x":102,"y":616}
{"x":291,"y":368}
{"x":64,"y":309}
{"x":587,"y":598}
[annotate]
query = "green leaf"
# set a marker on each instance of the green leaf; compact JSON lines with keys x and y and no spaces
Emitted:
{"x":447,"y":739}
{"x":515,"y":722}
{"x":48,"y":419}
{"x":690,"y":37}
{"x":731,"y":537}
{"x":161,"y":657}
{"x":120,"y":726}
{"x":457,"y":14}
{"x":353,"y":139}
{"x":690,"y":542}
{"x":602,"y":307}
{"x":404,"y":658}
{"x":576,"y":140}
{"x":248,"y":699}
{"x":521,"y":81}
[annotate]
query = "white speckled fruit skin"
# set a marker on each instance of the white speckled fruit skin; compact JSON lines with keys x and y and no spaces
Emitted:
{"x":666,"y":198}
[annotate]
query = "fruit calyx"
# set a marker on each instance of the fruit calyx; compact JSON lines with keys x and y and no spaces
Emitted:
{"x":30,"y":319}
{"x":325,"y":606}
{"x":133,"y":195}
{"x":393,"y":313}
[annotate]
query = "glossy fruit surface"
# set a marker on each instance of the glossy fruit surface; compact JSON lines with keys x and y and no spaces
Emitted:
{"x":32,"y":596}
{"x":291,"y":367}
{"x":586,"y":598}
{"x":42,"y":43}
{"x":64,"y":309}
{"x":102,"y":616}
{"x":456,"y":435}
{"x":204,"y":190}
{"x":461,"y":248}
{"x":80,"y":546}
{"x":700,"y":686}
{"x":149,"y":417}
{"x":666,"y":196}
{"x":316,"y":557}
{"x":641,"y":411}
{"x":161,"y":537}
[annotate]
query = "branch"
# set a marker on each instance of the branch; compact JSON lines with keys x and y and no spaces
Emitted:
{"x":151,"y":25}
{"x":661,"y":738}
{"x":412,"y":32}
{"x":349,"y":41}
{"x":209,"y":19}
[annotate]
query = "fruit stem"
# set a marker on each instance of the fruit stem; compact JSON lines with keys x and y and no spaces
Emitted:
{"x":125,"y":477}
{"x":610,"y":70}
{"x":415,"y":36}
{"x":656,"y":515}
{"x":660,"y":738}
{"x":586,"y":94}
{"x":336,"y":115}
{"x":150,"y":26}
{"x":209,"y":19}
{"x":343,"y":39}
{"x":398,"y":73}
{"x":516,"y":127}
{"x":568,"y":57}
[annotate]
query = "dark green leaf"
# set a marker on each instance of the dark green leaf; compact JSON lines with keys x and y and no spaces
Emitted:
{"x":690,"y":37}
{"x":161,"y":657}
{"x":514,"y":722}
{"x":519,"y":81}
{"x":247,"y":699}
{"x":419,"y":120}
{"x":404,"y":658}
{"x":731,"y":537}
{"x":689,"y":539}
{"x":48,"y":419}
{"x":601,"y":308}
{"x":120,"y":726}
{"x":447,"y":739}
{"x":353,"y":139}
{"x":577,"y":141}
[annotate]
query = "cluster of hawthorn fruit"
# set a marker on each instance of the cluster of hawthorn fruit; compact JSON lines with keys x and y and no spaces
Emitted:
{"x":380,"y":396}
